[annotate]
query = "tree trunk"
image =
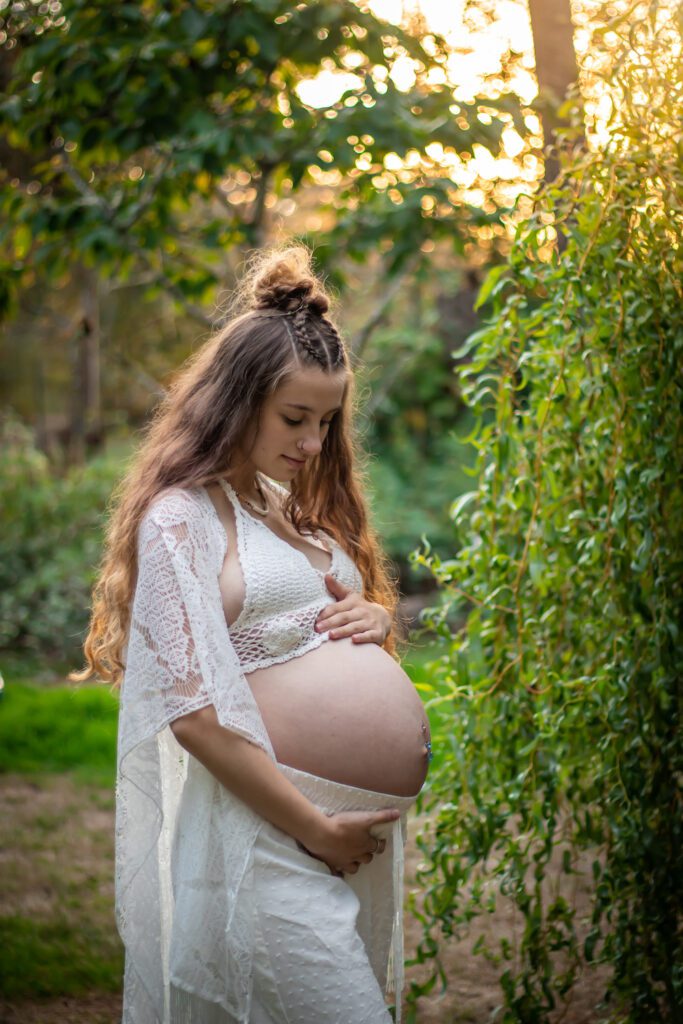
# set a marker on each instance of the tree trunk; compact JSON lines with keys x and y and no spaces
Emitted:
{"x":86,"y":403}
{"x":556,"y":69}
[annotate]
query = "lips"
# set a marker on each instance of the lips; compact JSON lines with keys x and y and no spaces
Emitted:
{"x":294,"y":462}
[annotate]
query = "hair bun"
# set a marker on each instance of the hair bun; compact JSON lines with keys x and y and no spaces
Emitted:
{"x":284,"y":280}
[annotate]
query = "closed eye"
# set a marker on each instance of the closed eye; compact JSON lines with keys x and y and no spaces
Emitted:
{"x":297,"y":423}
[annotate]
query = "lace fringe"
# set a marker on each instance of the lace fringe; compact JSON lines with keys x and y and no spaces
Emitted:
{"x":396,"y":971}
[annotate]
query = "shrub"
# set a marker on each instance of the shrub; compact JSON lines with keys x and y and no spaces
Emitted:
{"x":50,"y":545}
{"x":557,"y":709}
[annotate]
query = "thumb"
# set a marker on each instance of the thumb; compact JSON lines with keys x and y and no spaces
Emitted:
{"x":380,"y":817}
{"x":336,"y":587}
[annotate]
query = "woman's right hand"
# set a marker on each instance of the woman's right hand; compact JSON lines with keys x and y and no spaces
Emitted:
{"x":343,"y":841}
{"x":346,"y":840}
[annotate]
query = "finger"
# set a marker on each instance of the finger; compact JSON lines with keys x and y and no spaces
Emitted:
{"x":370,"y":636}
{"x":353,"y":629}
{"x":334,"y":609}
{"x":327,"y":622}
{"x":324,"y":622}
{"x":378,"y":844}
{"x":341,"y":617}
{"x":336,"y":587}
{"x":380,"y":817}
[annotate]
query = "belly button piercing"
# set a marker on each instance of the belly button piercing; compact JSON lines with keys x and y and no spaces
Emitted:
{"x":428,"y":743}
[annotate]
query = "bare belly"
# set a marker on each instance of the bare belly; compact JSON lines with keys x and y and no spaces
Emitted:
{"x":346,"y":712}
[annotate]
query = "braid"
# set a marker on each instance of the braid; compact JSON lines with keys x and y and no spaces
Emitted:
{"x":337,"y":356}
{"x":301,"y":332}
{"x":324,"y":346}
{"x":283,"y":283}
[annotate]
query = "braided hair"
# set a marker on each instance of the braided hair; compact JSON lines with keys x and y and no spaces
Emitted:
{"x":316,"y":336}
{"x":285,"y":287}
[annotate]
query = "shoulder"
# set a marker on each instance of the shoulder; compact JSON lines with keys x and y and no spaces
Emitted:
{"x":177,"y":505}
{"x":184,"y":514}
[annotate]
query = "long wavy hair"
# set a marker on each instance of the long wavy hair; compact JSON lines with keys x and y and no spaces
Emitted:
{"x":198,"y":427}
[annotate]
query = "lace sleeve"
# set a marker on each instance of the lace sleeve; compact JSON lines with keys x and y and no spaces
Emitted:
{"x":179,"y":657}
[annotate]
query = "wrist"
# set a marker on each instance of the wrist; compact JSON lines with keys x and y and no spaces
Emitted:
{"x":314,"y":829}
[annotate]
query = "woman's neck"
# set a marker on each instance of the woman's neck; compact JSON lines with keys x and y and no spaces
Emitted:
{"x":252,"y":489}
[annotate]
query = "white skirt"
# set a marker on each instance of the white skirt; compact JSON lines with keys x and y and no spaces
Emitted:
{"x":325,"y":948}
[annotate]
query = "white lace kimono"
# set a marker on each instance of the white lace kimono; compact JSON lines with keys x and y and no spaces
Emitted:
{"x":187,"y":932}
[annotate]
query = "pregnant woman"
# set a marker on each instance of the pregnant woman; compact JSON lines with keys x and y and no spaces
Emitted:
{"x":269,"y":743}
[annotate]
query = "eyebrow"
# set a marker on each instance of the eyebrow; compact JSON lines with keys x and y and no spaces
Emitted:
{"x":307,"y":408}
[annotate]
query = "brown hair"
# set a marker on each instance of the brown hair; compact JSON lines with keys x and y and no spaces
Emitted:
{"x":201,"y":421}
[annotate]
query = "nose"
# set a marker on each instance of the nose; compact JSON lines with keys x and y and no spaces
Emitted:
{"x":311,"y":444}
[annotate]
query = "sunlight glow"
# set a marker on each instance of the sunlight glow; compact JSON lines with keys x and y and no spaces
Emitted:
{"x":402,"y":73}
{"x":491,"y":53}
{"x":327,"y":88}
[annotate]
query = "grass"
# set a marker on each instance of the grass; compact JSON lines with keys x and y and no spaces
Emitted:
{"x":59,"y":729}
{"x":57,"y":929}
{"x":49,"y":958}
{"x":57,"y":756}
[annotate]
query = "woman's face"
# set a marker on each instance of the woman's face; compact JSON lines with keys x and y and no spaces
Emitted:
{"x":293,"y":423}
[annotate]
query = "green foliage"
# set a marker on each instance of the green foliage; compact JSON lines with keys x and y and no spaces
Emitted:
{"x":412,"y":422}
{"x":557,"y":708}
{"x":58,"y":729}
{"x":50,"y":546}
{"x":128,"y":124}
{"x":409,"y":485}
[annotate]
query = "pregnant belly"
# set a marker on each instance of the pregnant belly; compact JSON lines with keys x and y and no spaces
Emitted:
{"x":346,"y":712}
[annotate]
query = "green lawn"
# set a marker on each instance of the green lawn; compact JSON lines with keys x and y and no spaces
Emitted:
{"x":59,"y":729}
{"x":57,"y":759}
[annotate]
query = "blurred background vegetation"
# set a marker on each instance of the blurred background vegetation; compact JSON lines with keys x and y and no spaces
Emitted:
{"x":147,"y":150}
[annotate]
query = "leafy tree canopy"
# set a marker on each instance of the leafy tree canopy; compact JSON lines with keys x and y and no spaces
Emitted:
{"x":128,"y":123}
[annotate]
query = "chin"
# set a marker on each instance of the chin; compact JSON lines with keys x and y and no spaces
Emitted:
{"x":280,"y":473}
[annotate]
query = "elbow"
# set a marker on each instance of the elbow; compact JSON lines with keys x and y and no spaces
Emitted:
{"x":179,"y":729}
{"x":188,"y":729}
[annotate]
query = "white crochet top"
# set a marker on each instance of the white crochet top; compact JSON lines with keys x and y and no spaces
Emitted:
{"x":176,"y":904}
{"x":284,"y":592}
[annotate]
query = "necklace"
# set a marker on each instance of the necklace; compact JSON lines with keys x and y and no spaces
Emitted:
{"x":261,"y":511}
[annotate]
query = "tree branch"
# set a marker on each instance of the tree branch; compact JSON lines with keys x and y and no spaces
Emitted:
{"x":165,"y":282}
{"x":82,"y":186}
{"x":147,"y":196}
{"x":362,"y":338}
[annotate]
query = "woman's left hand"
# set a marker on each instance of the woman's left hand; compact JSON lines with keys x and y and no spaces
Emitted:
{"x":351,"y":615}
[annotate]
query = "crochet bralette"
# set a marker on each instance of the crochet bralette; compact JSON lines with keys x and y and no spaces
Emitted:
{"x":284,"y":591}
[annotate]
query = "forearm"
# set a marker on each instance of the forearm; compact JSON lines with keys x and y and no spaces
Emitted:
{"x":250,"y":774}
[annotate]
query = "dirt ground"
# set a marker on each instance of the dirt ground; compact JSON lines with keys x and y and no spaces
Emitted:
{"x":58,"y":839}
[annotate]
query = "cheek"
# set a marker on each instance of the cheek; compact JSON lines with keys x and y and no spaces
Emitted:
{"x":272,"y":436}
